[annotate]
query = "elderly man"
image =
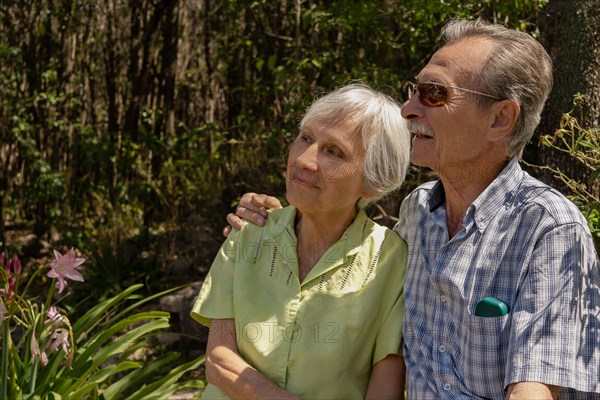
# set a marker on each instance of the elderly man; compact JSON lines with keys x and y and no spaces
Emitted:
{"x":502,"y":289}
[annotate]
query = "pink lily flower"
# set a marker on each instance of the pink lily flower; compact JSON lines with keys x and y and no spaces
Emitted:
{"x":59,"y":338}
{"x":54,"y":317}
{"x":65,"y":267}
{"x":35,"y":352}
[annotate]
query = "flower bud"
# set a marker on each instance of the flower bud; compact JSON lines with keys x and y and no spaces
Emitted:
{"x":17,"y":265}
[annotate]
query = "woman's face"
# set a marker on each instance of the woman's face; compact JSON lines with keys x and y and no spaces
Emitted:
{"x":325,"y":169}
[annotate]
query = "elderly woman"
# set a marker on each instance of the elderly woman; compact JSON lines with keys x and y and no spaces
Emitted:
{"x":311,"y":304}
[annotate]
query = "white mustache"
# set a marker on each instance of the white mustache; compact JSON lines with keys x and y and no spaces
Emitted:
{"x":419,"y":129}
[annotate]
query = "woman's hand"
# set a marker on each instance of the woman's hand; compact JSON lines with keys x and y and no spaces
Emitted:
{"x":252,"y":208}
{"x":227,"y":369}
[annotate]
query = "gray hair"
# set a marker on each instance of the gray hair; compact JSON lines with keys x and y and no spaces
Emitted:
{"x":519,"y":69}
{"x":377,"y":118}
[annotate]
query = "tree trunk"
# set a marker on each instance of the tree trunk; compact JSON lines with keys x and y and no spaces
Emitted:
{"x":576,"y":57}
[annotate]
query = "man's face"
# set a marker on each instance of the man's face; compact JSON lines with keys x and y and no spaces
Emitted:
{"x":453,"y":135}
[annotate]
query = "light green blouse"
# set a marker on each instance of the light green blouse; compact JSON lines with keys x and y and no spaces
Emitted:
{"x":318,"y":338}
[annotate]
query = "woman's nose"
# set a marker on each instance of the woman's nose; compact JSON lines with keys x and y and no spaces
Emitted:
{"x":308,"y":158}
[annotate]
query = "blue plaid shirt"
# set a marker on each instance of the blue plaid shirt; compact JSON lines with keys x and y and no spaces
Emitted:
{"x":524,"y":244}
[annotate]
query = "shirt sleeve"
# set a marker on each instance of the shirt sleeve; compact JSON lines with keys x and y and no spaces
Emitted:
{"x":215,"y":299}
{"x":389,"y":337}
{"x":556,"y":319}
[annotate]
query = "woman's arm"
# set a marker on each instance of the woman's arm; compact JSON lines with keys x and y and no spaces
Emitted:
{"x":387,"y":379}
{"x":227,"y":370}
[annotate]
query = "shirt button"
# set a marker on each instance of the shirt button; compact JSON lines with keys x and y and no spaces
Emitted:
{"x":443,"y":298}
{"x":290,"y":363}
{"x":442,"y":348}
{"x":296,"y":327}
{"x":303,"y":294}
{"x":447,"y":386}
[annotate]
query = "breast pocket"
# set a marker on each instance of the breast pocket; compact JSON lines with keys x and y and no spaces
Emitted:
{"x":484,"y":344}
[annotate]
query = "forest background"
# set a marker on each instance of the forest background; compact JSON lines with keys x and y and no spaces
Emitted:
{"x":130,"y":128}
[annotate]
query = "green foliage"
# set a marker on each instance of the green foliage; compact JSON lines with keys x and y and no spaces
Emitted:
{"x":107,"y":354}
{"x":115,"y":118}
{"x":583,"y":147}
{"x":116,"y":268}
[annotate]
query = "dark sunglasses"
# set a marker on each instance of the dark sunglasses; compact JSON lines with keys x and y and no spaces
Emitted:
{"x":432,"y":94}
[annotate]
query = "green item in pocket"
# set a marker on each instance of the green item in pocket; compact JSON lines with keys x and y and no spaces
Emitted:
{"x":491,"y":307}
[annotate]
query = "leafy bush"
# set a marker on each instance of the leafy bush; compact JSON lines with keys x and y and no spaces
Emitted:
{"x":147,"y":112}
{"x":104,"y":354}
{"x":583,"y":146}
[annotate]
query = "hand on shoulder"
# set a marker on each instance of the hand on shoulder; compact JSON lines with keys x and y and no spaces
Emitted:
{"x":252,"y":208}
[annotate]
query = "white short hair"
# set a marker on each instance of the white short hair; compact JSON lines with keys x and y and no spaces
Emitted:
{"x":519,"y":69}
{"x":377,"y":118}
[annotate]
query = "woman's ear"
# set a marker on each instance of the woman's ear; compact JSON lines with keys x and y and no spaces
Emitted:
{"x":367,"y":193}
{"x":504,"y":118}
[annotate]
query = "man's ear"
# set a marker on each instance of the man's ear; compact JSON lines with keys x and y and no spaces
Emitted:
{"x":504,"y":118}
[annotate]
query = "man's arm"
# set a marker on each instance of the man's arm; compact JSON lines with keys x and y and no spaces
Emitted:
{"x":557,"y":324}
{"x":252,"y":208}
{"x":227,"y":369}
{"x":532,"y":390}
{"x":387,"y":379}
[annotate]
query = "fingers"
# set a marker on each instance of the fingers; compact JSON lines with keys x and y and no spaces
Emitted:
{"x":265,"y":201}
{"x":253,"y":203}
{"x":246,"y":201}
{"x":234,"y":222}
{"x":254,"y":215}
{"x":252,"y":208}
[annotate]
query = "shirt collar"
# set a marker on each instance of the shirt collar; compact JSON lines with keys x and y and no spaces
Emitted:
{"x":285,"y":219}
{"x":436,"y":196}
{"x":351,"y":239}
{"x":501,"y":191}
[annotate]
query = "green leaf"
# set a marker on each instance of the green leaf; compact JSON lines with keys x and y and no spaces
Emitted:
{"x":54,"y":396}
{"x":101,"y":376}
{"x":145,"y":299}
{"x":92,"y":318}
{"x":108,"y":333}
{"x":51,"y":373}
{"x":136,"y":378}
{"x":596,"y":174}
{"x":271,"y":61}
{"x":159,"y":389}
{"x":316,"y":63}
{"x":259,"y":64}
{"x":82,"y":369}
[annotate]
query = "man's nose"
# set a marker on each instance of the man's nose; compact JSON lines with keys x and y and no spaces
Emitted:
{"x":412,"y":108}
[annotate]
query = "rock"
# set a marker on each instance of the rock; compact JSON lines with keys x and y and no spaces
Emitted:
{"x":180,"y":304}
{"x":168,"y":338}
{"x":179,"y":268}
{"x":181,"y":300}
